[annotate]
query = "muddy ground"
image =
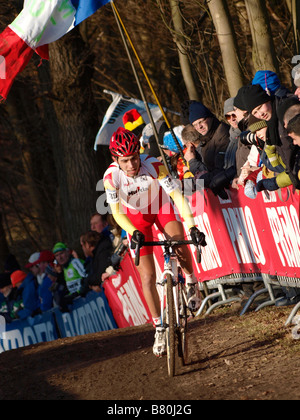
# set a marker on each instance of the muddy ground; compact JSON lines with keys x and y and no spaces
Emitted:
{"x":254,"y":357}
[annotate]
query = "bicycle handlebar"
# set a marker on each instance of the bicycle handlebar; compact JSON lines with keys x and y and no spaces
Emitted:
{"x":167,"y":243}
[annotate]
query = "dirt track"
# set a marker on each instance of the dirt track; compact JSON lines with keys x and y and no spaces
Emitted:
{"x":232,"y":357}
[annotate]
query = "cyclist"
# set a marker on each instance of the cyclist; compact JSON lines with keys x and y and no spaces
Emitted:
{"x":138,"y":190}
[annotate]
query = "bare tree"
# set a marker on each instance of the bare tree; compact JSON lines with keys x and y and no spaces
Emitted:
{"x":230,"y":56}
{"x":180,"y":40}
{"x":263,"y":51}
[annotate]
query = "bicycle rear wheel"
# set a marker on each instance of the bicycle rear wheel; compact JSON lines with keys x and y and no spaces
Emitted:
{"x":182,"y":332}
{"x":170,"y":327}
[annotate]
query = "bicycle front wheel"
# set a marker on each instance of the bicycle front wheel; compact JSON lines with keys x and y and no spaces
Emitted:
{"x":182,"y":331}
{"x":170,"y":327}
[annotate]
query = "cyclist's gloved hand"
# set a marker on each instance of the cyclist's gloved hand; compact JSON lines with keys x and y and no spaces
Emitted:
{"x":198,"y":237}
{"x":138,"y":238}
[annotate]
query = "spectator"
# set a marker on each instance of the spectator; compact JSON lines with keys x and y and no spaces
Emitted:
{"x":58,"y":287}
{"x":226,"y":176}
{"x":262,"y":106}
{"x":99,"y":223}
{"x":148,"y":140}
{"x":179,"y":168}
{"x":32,"y":262}
{"x":98,"y":250}
{"x":288,"y":109}
{"x":214,"y":140}
{"x":234,"y":133}
{"x":270,"y":83}
{"x":293,"y":129}
{"x":44,"y":282}
{"x":26,"y":300}
{"x":8,"y":297}
{"x":73,"y":269}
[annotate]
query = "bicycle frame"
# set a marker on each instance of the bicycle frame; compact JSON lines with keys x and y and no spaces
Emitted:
{"x":173,"y":318}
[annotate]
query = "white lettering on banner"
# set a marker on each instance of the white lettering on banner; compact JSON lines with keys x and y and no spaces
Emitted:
{"x":284,"y":223}
{"x":12,"y":340}
{"x":210,"y":254}
{"x":89,"y":318}
{"x":243,"y":235}
{"x":271,"y":197}
{"x":39,"y":333}
{"x":132,"y":306}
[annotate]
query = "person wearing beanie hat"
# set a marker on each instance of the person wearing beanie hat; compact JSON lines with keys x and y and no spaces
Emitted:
{"x":239,"y":99}
{"x":73,"y":268}
{"x":133,"y":121}
{"x":268,"y":80}
{"x":254,"y":98}
{"x":26,"y":296}
{"x":59,"y":247}
{"x":17,"y":278}
{"x":207,"y":158}
{"x":198,"y":111}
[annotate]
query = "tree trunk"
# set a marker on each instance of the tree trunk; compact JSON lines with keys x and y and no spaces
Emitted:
{"x":263,"y":51}
{"x":220,"y":15}
{"x":71,"y":68}
{"x":182,"y":51}
{"x":295,"y":12}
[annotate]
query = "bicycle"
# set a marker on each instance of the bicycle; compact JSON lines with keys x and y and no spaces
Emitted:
{"x":174,"y":304}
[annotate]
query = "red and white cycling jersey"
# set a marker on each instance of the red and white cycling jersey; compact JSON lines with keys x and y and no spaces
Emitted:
{"x":141,"y":192}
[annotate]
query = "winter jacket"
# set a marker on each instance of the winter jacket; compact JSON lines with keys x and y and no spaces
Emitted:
{"x":45,"y":295}
{"x":100,"y":261}
{"x":27,"y":294}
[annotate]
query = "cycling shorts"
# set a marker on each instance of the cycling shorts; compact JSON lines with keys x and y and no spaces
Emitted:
{"x":144,"y":222}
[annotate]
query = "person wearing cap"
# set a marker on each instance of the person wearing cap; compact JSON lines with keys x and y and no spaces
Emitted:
{"x":27,"y":299}
{"x":214,"y":140}
{"x":72,"y":267}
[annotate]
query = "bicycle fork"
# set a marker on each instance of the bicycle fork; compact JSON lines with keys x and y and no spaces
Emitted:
{"x":171,"y":268}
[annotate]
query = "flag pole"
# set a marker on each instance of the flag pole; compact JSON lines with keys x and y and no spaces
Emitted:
{"x":140,"y":87}
{"x":120,"y":22}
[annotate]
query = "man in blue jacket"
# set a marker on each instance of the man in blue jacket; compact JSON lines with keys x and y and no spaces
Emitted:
{"x":27,"y":299}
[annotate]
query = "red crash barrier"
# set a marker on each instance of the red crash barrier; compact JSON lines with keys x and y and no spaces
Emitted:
{"x":243,"y":235}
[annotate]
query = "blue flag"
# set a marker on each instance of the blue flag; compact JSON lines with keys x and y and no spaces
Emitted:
{"x":86,"y":8}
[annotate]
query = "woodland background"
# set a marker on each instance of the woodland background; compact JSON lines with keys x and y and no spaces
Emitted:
{"x":190,"y":49}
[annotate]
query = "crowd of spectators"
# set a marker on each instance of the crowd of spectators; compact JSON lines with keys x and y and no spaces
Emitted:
{"x":254,"y":146}
{"x":54,"y":278}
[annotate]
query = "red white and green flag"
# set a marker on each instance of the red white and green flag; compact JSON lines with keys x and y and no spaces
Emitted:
{"x":39,"y":23}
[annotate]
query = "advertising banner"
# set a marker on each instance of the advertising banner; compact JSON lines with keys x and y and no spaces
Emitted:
{"x":125,"y":296}
{"x":88,"y":315}
{"x":35,"y":330}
